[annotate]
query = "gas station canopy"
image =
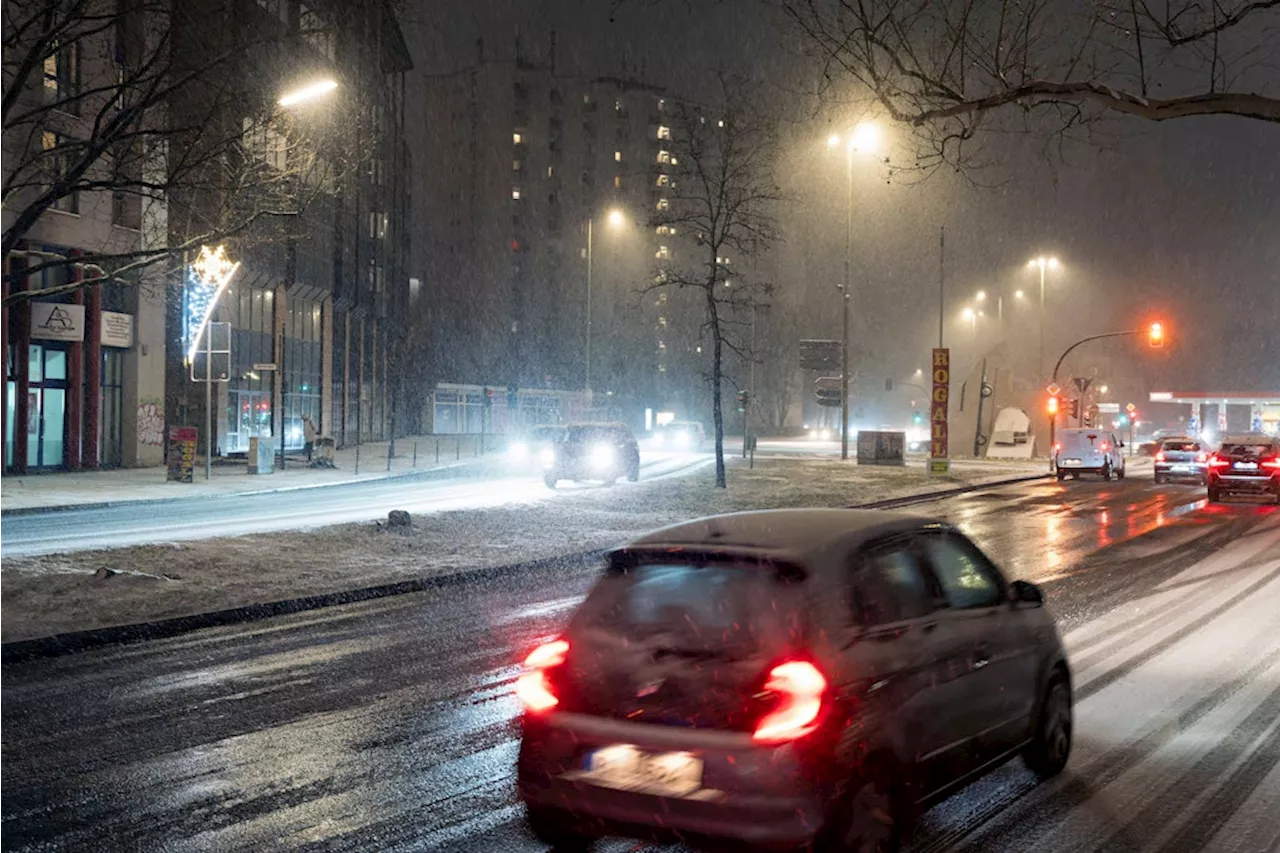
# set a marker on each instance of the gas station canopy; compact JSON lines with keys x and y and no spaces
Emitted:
{"x":1231,"y":398}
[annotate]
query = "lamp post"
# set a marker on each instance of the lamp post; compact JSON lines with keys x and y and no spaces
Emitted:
{"x":1042,"y":263}
{"x":863,"y":137}
{"x":615,"y":219}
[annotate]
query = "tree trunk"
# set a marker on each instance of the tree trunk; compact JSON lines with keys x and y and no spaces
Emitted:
{"x":717,"y":408}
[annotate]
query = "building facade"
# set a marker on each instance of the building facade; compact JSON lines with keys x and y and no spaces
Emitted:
{"x":529,"y":170}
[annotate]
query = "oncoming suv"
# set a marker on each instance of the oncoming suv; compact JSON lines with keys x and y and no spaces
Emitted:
{"x":790,"y":679}
{"x":602,"y":452}
{"x":1245,"y":465}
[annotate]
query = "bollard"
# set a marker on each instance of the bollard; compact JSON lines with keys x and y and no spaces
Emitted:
{"x":357,"y":460}
{"x":479,"y":445}
{"x":457,"y":447}
{"x":388,"y":458}
{"x":415,"y":454}
{"x":437,"y":450}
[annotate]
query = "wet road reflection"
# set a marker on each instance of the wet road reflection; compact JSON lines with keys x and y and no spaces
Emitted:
{"x":389,"y":725}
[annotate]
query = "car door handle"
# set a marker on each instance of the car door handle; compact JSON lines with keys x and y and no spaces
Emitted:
{"x":981,"y":657}
{"x":981,"y":662}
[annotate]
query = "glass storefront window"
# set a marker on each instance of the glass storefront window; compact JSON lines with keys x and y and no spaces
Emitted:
{"x":55,"y":364}
{"x":35,"y":363}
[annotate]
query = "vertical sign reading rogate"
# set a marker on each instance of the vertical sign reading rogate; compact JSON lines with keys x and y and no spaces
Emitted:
{"x":182,"y":453}
{"x":939,"y":462}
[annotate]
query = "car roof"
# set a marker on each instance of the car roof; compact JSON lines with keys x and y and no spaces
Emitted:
{"x":1250,"y":438}
{"x":797,"y":533}
{"x":1082,"y":430}
{"x":1178,"y":438}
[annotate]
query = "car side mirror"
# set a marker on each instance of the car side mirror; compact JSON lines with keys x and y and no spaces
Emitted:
{"x":1026,"y":593}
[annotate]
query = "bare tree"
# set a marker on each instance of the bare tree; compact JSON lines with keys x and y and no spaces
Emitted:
{"x":953,"y":68}
{"x":719,"y":209}
{"x":133,"y":104}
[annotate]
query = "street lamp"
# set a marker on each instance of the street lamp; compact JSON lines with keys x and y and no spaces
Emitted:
{"x":864,"y":137}
{"x":308,"y":92}
{"x":1042,"y":263}
{"x":616,"y":219}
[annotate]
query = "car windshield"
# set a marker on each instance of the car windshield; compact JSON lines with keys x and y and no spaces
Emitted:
{"x":1186,"y":446}
{"x":545,"y":433}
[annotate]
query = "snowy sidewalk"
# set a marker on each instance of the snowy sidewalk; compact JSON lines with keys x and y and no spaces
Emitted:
{"x":230,"y":477}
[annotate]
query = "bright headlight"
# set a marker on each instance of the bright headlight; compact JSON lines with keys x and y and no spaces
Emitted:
{"x":602,"y":456}
{"x":519,"y":450}
{"x":547,"y":457}
{"x":684,"y":439}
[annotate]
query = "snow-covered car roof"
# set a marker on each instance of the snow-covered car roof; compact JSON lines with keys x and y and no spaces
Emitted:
{"x":797,"y":532}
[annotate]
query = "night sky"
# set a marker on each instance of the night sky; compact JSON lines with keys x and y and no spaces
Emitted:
{"x":1178,"y":221}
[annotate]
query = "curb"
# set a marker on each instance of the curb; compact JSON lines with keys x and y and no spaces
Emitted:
{"x":72,"y":642}
{"x":54,"y":508}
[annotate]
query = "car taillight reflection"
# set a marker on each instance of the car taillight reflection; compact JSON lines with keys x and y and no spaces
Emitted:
{"x":800,"y":688}
{"x":533,"y":688}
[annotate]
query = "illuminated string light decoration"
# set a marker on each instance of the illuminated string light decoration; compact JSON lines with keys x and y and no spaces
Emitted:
{"x":207,"y":277}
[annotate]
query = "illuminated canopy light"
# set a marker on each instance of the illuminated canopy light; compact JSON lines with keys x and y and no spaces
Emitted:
{"x":311,"y":90}
{"x":207,"y":277}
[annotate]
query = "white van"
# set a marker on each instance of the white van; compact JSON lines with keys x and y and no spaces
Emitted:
{"x":1088,"y":451}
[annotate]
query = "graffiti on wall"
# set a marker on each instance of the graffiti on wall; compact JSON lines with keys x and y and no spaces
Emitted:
{"x":151,"y":422}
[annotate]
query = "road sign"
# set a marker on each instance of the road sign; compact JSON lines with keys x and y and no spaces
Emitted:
{"x":265,"y":366}
{"x":1054,"y":389}
{"x":820,"y":355}
{"x":1131,"y":408}
{"x":1082,"y":383}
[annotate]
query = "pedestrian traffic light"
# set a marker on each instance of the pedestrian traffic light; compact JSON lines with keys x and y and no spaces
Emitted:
{"x":744,"y":398}
{"x":1052,"y":407}
{"x":1155,"y":336}
{"x":1073,"y":408}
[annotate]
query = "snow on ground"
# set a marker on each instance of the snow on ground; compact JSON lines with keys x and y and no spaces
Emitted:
{"x":58,"y":593}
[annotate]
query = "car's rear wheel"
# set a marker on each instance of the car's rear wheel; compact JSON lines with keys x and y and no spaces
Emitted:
{"x":1160,"y":478}
{"x":869,"y":818}
{"x":1062,"y":475}
{"x":633,"y":472}
{"x":1050,"y":745}
{"x":550,"y":480}
{"x":1106,"y":471}
{"x":1214,"y":495}
{"x":552,"y":828}
{"x":1120,"y":473}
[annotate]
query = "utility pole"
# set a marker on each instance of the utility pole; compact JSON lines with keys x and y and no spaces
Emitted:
{"x":587,"y":378}
{"x":844,"y":379}
{"x":942,"y":298}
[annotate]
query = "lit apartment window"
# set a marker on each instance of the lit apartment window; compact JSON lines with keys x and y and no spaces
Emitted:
{"x":515,"y":165}
{"x":516,"y":138}
{"x":720,"y":123}
{"x":586,"y":98}
{"x":617,"y":182}
{"x":664,"y":156}
{"x":664,"y":204}
{"x":62,"y":77}
{"x":551,"y":171}
{"x":617,"y":106}
{"x":663,"y":253}
{"x":663,"y":180}
{"x":56,"y":165}
{"x":664,"y":132}
{"x":674,"y":161}
{"x":662,"y":321}
{"x":515,"y":193}
{"x":617,"y":156}
{"x":662,"y":103}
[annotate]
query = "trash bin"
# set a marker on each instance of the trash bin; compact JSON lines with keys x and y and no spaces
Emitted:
{"x":262,"y":457}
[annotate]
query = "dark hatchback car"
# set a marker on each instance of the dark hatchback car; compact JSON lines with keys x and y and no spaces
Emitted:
{"x":1181,"y":458}
{"x":602,"y":452}
{"x":787,"y":679}
{"x":1245,"y":465}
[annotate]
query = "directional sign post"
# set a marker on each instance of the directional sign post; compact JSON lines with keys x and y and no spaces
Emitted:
{"x":1082,"y":383}
{"x":820,"y":355}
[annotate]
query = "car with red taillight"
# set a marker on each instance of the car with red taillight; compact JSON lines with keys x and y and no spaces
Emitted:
{"x":1088,"y":451}
{"x":784,"y":679}
{"x":1181,"y":458}
{"x":1245,"y":465}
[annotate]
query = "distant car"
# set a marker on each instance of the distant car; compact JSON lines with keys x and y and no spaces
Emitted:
{"x":1181,"y":458}
{"x":790,"y":679}
{"x":602,"y":452}
{"x":1245,"y":465}
{"x":679,"y":435}
{"x":1088,"y":451}
{"x":526,"y":448}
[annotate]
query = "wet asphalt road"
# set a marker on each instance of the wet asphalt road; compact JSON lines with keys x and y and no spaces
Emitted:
{"x":477,"y":486}
{"x":388,"y":726}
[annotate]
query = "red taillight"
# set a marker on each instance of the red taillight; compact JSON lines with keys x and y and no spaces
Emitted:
{"x":532,"y":688}
{"x":800,"y":687}
{"x":1218,"y":462}
{"x":1271,"y":463}
{"x":1159,"y":455}
{"x":1057,"y":445}
{"x":1103,"y":445}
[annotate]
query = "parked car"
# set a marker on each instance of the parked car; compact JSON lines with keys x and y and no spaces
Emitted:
{"x":1088,"y":451}
{"x":679,"y":435}
{"x":795,"y":679}
{"x":1180,"y":458}
{"x":1245,"y":465}
{"x":602,"y":452}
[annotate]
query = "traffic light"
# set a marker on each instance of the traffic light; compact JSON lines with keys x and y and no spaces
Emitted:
{"x":744,"y":398}
{"x":1155,"y":336}
{"x":1073,"y":409}
{"x":1052,"y":407}
{"x":917,"y":418}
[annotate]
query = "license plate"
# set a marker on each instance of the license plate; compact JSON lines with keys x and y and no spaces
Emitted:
{"x":1246,"y":466}
{"x":626,"y":768}
{"x":1181,"y":469}
{"x":1071,"y":463}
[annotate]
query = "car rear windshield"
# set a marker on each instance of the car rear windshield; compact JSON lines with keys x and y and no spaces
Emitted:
{"x":1190,"y":446}
{"x":1245,"y":451}
{"x":725,"y":608}
{"x":587,"y":434}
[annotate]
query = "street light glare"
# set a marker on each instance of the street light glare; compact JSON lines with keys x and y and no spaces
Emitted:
{"x":833,"y":140}
{"x":1017,"y":294}
{"x":982,"y":294}
{"x":866,"y":137}
{"x":968,"y":314}
{"x":616,"y":218}
{"x":1053,"y":263}
{"x":306,"y":93}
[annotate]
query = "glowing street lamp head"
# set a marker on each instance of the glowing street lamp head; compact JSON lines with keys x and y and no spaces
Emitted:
{"x":1053,"y":263}
{"x":968,"y":314}
{"x":307,"y":92}
{"x":866,"y":137}
{"x":833,"y":141}
{"x":982,"y":294}
{"x":616,"y":218}
{"x":1017,"y":294}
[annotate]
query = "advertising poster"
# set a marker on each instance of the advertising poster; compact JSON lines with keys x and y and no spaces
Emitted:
{"x":182,"y":453}
{"x":939,"y":460}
